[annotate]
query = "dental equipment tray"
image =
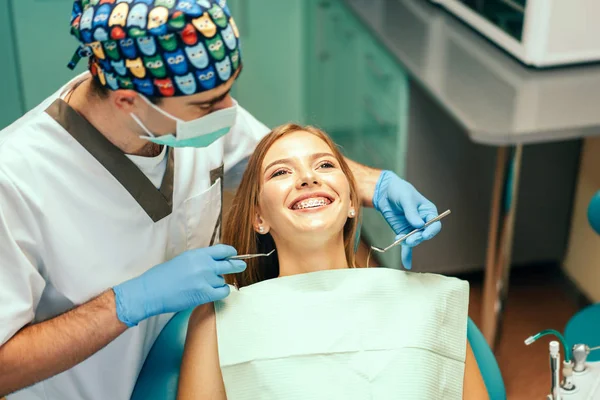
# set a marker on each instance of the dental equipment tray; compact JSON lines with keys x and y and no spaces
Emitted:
{"x":587,"y":384}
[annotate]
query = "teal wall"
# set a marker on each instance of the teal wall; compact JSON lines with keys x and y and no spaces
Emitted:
{"x":45,"y":46}
{"x":11,"y":102}
{"x":272,"y":36}
{"x":36,"y":46}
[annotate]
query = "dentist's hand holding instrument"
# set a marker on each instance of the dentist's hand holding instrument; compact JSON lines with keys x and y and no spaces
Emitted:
{"x":405,"y":209}
{"x":404,"y":238}
{"x":194,"y":277}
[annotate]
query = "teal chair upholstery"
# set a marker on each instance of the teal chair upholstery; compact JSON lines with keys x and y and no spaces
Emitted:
{"x":583,"y":326}
{"x":159,"y":376}
{"x":490,"y":371}
{"x":160,"y":373}
{"x":593,"y":213}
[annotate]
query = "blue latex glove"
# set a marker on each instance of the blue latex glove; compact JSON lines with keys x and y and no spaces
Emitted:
{"x":405,"y":209}
{"x":188,"y":280}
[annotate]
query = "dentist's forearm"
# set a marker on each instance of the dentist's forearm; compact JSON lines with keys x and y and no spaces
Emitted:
{"x":366,"y":180}
{"x":43,"y":350}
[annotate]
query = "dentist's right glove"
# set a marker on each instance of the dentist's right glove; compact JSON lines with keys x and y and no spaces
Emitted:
{"x":188,"y":280}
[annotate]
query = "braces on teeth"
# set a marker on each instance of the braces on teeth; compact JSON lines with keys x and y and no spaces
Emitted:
{"x":311,"y":203}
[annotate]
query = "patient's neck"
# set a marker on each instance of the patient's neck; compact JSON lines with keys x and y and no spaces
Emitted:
{"x":300,"y":257}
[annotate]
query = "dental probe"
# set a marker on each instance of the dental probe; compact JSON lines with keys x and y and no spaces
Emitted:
{"x":249,"y":256}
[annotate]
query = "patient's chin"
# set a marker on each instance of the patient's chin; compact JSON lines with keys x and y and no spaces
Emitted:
{"x":320,"y":226}
{"x":311,"y":236}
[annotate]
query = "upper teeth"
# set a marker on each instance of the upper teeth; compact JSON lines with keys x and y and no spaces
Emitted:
{"x":312,"y":202}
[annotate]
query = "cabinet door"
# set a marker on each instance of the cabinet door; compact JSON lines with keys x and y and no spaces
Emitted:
{"x":271,"y":86}
{"x":346,"y":91}
{"x":381,"y":125}
{"x":11,"y":102}
{"x":384,"y":117}
{"x":332,"y":45}
{"x":320,"y":63}
{"x":45,"y":47}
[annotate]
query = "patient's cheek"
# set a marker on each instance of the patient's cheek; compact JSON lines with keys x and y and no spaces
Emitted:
{"x":271,"y":203}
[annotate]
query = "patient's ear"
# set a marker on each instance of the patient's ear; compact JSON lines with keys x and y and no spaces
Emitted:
{"x":352,"y":209}
{"x":260,"y":225}
{"x":351,"y":212}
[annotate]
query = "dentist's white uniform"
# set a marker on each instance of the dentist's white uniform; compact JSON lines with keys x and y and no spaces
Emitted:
{"x":78,"y":217}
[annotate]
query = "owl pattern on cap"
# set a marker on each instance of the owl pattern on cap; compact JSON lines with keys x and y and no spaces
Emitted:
{"x":160,"y":48}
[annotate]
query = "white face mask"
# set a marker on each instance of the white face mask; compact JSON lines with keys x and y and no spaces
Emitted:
{"x":201,"y":132}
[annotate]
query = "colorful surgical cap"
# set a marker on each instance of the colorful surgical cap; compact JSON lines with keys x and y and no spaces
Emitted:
{"x":160,"y":48}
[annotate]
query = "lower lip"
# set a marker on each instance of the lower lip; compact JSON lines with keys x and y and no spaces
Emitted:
{"x":312,"y":209}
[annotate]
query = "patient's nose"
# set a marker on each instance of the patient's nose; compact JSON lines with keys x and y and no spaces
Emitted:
{"x":308,"y":178}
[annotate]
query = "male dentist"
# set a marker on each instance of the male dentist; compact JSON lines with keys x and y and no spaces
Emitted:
{"x":110,"y":197}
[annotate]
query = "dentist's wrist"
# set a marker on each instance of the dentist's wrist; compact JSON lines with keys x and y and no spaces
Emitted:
{"x":366,"y":180}
{"x":126,"y":303}
{"x":381,"y":188}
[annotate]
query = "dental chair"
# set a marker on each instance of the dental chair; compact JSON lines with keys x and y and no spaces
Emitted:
{"x":159,"y":376}
{"x":584,"y":326}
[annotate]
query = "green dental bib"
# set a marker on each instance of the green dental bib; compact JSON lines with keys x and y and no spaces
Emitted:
{"x":347,"y":334}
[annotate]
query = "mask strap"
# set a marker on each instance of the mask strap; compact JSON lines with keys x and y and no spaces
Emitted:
{"x":141,"y":124}
{"x":160,"y":110}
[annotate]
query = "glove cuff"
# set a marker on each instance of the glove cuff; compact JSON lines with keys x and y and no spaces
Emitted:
{"x":122,"y":311}
{"x":380,"y":188}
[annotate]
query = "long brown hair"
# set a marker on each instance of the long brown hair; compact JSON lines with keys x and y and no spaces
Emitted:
{"x":239,"y":226}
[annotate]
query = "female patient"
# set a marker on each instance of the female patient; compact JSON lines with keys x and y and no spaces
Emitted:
{"x":305,"y":326}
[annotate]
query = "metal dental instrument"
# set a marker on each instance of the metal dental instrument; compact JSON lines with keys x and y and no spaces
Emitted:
{"x":403,"y":238}
{"x":580,"y":353}
{"x":248,"y":256}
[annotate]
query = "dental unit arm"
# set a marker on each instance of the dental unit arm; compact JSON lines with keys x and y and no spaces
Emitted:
{"x":581,"y":379}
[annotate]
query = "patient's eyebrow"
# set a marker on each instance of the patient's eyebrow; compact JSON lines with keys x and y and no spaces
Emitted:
{"x":287,"y":160}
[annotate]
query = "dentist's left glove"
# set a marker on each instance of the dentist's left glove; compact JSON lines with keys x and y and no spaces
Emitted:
{"x":405,"y":209}
{"x":188,"y":280}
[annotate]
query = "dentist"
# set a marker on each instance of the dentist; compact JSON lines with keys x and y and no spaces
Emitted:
{"x":111,"y":191}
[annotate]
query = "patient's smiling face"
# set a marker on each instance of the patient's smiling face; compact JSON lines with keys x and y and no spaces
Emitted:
{"x":300,"y":190}
{"x":304,"y":190}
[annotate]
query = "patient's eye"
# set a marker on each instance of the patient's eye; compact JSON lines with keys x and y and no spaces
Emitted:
{"x":326,"y":164}
{"x":277,"y":173}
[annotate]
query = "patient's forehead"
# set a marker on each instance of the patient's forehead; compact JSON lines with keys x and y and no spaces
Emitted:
{"x":299,"y":145}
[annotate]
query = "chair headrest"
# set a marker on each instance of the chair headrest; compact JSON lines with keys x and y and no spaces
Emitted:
{"x":594,"y":212}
